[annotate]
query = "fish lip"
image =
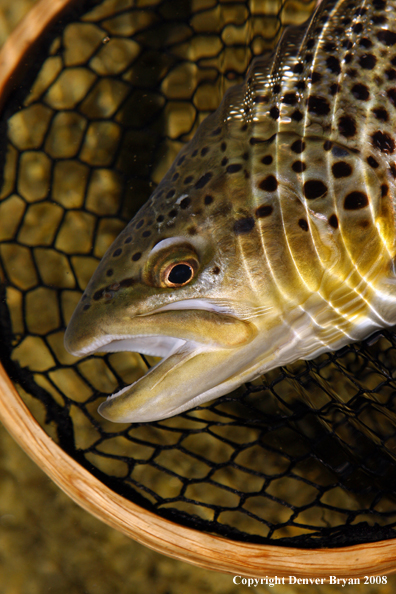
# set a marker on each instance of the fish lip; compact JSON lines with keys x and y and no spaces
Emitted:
{"x":99,"y":344}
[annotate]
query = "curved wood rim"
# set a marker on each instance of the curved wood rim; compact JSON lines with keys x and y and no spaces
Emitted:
{"x":19,"y":44}
{"x":201,"y":549}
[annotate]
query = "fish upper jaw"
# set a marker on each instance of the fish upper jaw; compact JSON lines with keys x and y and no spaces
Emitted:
{"x":208,"y":328}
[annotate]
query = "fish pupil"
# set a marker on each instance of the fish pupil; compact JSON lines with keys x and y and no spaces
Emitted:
{"x":180,"y":274}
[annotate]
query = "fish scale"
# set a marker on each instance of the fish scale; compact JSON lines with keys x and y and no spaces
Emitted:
{"x":272,"y":236}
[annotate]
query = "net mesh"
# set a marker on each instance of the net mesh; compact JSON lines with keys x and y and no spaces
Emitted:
{"x":304,"y":456}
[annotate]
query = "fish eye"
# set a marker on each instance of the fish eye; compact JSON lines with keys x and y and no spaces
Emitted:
{"x":179,"y":274}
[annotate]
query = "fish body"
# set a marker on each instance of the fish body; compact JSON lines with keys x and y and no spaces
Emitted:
{"x":272,"y":236}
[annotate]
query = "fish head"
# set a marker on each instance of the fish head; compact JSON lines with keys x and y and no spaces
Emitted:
{"x":171,"y":286}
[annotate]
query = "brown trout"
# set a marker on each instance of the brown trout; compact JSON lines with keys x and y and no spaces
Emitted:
{"x":272,"y":236}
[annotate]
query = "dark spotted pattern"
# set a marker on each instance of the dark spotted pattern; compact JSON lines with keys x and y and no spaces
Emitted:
{"x":355,"y":201}
{"x":341,"y":169}
{"x":383,"y":141}
{"x":243,"y":226}
{"x":318,"y":141}
{"x":269,"y":184}
{"x":347,"y":126}
{"x":314,"y":188}
{"x":264,"y":211}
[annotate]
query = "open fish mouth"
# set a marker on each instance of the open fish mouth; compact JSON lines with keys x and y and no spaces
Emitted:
{"x":198,"y":350}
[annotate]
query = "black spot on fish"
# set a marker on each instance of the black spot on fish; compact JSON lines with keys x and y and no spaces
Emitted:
{"x":318,"y":105}
{"x":224,"y":162}
{"x":327,"y":145}
{"x":188,"y":179}
{"x":194,"y":153}
{"x":381,"y":114}
{"x":175,"y":177}
{"x":341,"y":169}
{"x":146,"y":234}
{"x":390,"y":74}
{"x":204,"y":151}
{"x":172,"y":213}
{"x":367,"y":61}
{"x":201,"y":183}
{"x":264,"y":211}
{"x":216,"y":132}
{"x":234,"y":168}
{"x":185,"y":203}
{"x":297,"y":116}
{"x":334,"y":89}
{"x":360,"y":92}
{"x":267,"y":160}
{"x":314,"y":188}
{"x":392,"y":96}
{"x":358,"y":28}
{"x":303,"y":224}
{"x":383,"y":142}
{"x":243,"y":226}
{"x":269,"y":184}
{"x":128,"y":239}
{"x":181,"y":160}
{"x":333,"y":64}
{"x":140,"y":224}
{"x":290,"y":99}
{"x":386,"y":37}
{"x":372,"y":162}
{"x":329,"y":46}
{"x":109,"y":272}
{"x":136,"y":256}
{"x":117,"y":252}
{"x":170,"y":194}
{"x":299,"y":166}
{"x":379,"y":19}
{"x":87,"y":306}
{"x":365,"y":42}
{"x":223,"y":146}
{"x":298,"y":146}
{"x":208,"y":199}
{"x":316,"y":77}
{"x":216,"y":270}
{"x":384,"y":190}
{"x":347,"y":126}
{"x":355,"y":201}
{"x":333,"y":221}
{"x":160,"y":218}
{"x":348,"y":58}
{"x":298,"y":68}
{"x":97,"y":295}
{"x":274,"y":113}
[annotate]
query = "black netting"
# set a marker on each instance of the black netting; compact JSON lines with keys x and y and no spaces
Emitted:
{"x":303,"y":456}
